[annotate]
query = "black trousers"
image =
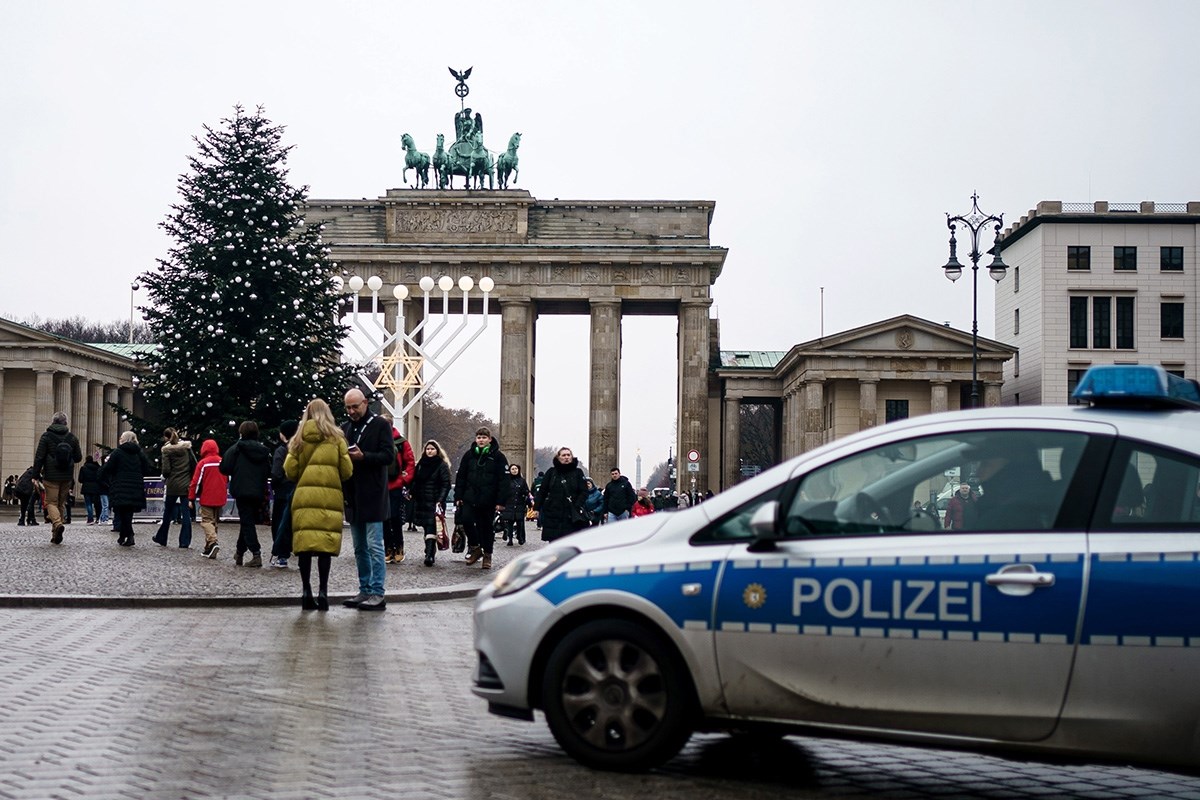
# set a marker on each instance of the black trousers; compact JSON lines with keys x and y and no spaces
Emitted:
{"x":247,"y":508}
{"x":477,"y":522}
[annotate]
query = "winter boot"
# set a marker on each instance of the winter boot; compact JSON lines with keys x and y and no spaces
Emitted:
{"x":475,"y":554}
{"x":255,"y":560}
{"x":430,"y":551}
{"x":487,"y":560}
{"x":387,"y":556}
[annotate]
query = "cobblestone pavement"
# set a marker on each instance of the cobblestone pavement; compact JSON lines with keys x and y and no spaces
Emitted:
{"x":89,"y":565}
{"x":274,"y":702}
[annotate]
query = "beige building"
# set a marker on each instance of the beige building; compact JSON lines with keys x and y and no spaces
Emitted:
{"x":847,"y":382}
{"x":41,"y":374}
{"x":1097,"y":283}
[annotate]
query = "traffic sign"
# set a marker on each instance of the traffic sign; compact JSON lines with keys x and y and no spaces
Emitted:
{"x":693,"y":456}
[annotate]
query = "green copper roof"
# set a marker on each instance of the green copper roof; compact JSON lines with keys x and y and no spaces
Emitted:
{"x":124,"y":349}
{"x":751,"y":359}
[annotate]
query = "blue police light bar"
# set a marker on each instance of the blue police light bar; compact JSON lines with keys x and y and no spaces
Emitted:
{"x":1135,"y":386}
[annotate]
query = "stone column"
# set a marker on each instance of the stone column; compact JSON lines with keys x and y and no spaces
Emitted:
{"x":516,"y":382}
{"x":62,"y":394}
{"x":731,"y":441}
{"x":95,"y":414}
{"x":3,"y":405}
{"x":604,"y":419}
{"x":126,"y":401}
{"x":44,"y":402}
{"x":868,"y":412}
{"x":693,"y":385}
{"x":814,"y":411}
{"x":79,"y":411}
{"x":110,"y":416}
{"x":991,"y":394}
{"x":939,"y":396}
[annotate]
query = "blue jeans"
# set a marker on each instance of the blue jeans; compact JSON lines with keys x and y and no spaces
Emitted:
{"x":368,"y":556}
{"x":185,"y":523}
{"x":92,"y":503}
{"x":104,"y":508}
{"x":614,"y":517}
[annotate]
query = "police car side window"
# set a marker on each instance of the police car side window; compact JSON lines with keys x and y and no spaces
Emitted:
{"x":1150,"y":488}
{"x":736,"y":524}
{"x":1014,"y":480}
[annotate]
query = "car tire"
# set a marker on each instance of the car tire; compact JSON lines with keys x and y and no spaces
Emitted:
{"x":616,"y":697}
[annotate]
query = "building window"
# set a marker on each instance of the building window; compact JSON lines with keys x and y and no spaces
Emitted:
{"x":1017,"y":399}
{"x":1104,"y":334}
{"x":1170,"y":259}
{"x":1079,"y":256}
{"x":1170,"y":320}
{"x":1074,"y":376}
{"x":1016,"y":321}
{"x":1078,"y":322}
{"x":1125,"y":258}
{"x":1017,"y":278}
{"x":1101,"y":323}
{"x":894,"y":410}
{"x":1124,"y":323}
{"x":1178,"y":373}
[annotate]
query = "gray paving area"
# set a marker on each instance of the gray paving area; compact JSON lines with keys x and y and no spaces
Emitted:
{"x":203,"y":700}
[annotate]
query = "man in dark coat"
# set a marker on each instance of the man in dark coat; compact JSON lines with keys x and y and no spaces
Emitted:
{"x":481,"y":489}
{"x":125,"y":473}
{"x":369,"y":437}
{"x":281,"y":491}
{"x":57,"y":454}
{"x":619,"y":496}
{"x":248,"y":465}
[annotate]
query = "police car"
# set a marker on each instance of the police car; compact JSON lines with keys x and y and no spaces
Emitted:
{"x":826,"y":595}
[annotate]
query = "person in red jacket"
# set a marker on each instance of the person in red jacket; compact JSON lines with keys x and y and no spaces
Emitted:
{"x":643,"y":505}
{"x":211,"y":488}
{"x":393,"y":529}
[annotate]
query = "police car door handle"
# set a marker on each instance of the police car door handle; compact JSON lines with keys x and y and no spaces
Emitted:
{"x":1020,"y":575}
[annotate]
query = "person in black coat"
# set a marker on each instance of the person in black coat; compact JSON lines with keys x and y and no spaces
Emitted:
{"x":89,"y":484}
{"x":561,"y":496}
{"x":248,"y":465}
{"x":368,"y":506}
{"x":125,"y":473}
{"x":429,"y":488}
{"x":514,"y":510}
{"x":481,"y":490}
{"x":26,"y":489}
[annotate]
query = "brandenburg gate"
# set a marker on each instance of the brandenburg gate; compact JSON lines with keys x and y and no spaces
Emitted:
{"x":605,"y":259}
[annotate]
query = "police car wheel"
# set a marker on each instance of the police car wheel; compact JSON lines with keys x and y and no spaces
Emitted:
{"x":616,"y":698}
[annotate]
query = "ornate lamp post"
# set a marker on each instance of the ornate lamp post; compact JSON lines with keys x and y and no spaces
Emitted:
{"x":413,"y":363}
{"x":975,"y":222}
{"x":133,"y":287}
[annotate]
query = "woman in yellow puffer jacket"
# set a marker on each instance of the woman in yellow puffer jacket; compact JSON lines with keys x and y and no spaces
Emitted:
{"x":318,"y":461}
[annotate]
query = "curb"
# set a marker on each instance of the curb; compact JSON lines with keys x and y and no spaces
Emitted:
{"x":457,"y":592}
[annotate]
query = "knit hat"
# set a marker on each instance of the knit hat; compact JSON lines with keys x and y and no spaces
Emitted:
{"x":288,"y":427}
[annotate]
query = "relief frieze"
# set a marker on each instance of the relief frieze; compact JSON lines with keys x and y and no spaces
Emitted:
{"x":455,"y":220}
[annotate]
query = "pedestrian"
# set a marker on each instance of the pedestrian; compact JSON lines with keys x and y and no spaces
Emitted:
{"x":960,"y":508}
{"x":57,"y":454}
{"x":209,"y":488}
{"x":178,"y":463}
{"x":366,"y":496}
{"x":513,"y":514}
{"x":248,"y":464}
{"x":429,"y":489}
{"x":282,"y":488}
{"x":559,"y":501}
{"x":533,"y":490}
{"x":125,"y":472}
{"x":89,"y":484}
{"x":619,"y":496}
{"x":399,"y":478}
{"x":593,"y":503}
{"x":317,"y":462}
{"x":480,"y":492}
{"x":26,"y":488}
{"x":643,"y":505}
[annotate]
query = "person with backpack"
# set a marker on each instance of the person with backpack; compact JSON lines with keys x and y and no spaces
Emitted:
{"x":209,"y":488}
{"x":177,"y":465}
{"x":26,"y":487}
{"x":57,"y":454}
{"x":400,"y":475}
{"x":248,"y":465}
{"x":125,"y":472}
{"x":89,"y":484}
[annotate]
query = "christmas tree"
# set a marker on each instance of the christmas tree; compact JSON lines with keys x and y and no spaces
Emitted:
{"x":245,"y":307}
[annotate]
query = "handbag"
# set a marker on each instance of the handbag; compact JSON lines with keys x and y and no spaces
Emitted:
{"x":458,"y":541}
{"x":443,"y":538}
{"x":580,"y":517}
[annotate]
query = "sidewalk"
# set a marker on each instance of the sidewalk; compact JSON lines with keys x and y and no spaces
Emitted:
{"x":90,"y":570}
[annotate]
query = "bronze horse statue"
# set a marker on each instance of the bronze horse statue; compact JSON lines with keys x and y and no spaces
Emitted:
{"x":441,"y":163}
{"x":507,"y":162}
{"x":469,"y":158}
{"x":416,"y":161}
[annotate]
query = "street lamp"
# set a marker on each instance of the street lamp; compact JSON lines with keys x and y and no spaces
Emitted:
{"x":975,"y":222}
{"x":133,"y":287}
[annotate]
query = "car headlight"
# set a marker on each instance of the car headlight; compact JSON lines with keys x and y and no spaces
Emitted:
{"x":525,"y":570}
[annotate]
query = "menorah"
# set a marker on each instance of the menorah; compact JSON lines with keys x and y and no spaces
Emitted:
{"x":411,"y":361}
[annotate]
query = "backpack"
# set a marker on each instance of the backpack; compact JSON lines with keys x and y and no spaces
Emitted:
{"x":394,"y":464}
{"x":63,"y":455}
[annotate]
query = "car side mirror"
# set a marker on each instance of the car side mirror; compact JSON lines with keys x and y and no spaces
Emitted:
{"x":764,"y":527}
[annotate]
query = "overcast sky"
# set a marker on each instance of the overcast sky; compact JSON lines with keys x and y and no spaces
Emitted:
{"x":832,"y":136}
